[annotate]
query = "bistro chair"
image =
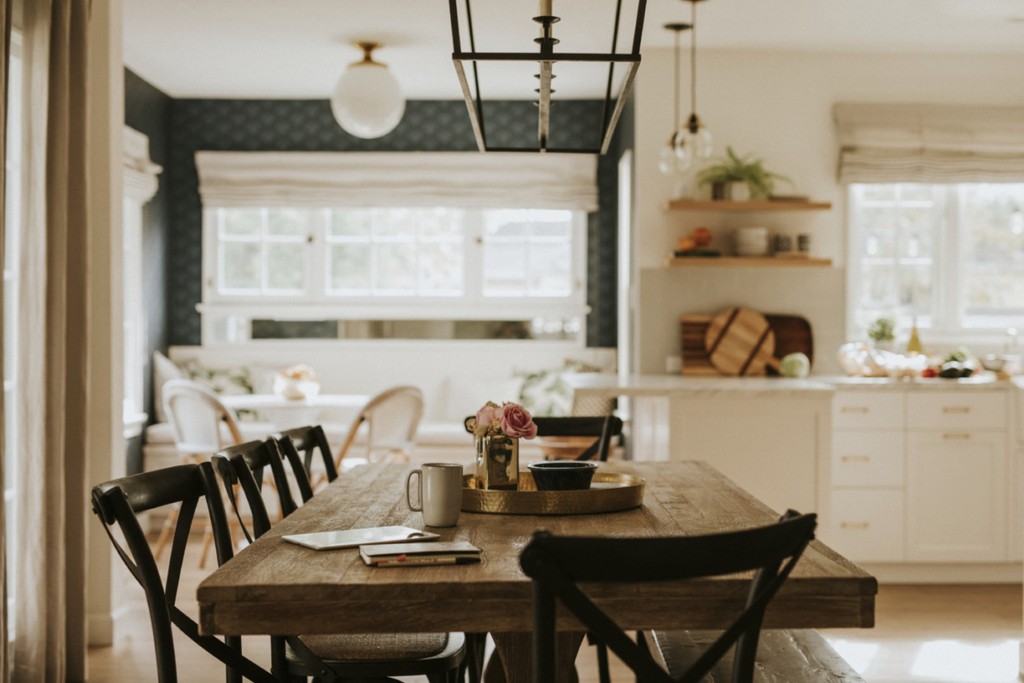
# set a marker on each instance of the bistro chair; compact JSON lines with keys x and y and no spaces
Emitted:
{"x":202,"y":426}
{"x":118,"y":503}
{"x":558,"y":564}
{"x":392,"y":418}
{"x":255,"y":458}
{"x":438,"y":656}
{"x":299,"y":446}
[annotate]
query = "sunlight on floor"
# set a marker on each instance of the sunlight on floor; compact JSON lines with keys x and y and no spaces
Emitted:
{"x":950,"y":660}
{"x":858,"y":654}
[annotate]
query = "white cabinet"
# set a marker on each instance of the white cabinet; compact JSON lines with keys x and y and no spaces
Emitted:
{"x":866,"y":520}
{"x":921,"y":475}
{"x":956,"y":496}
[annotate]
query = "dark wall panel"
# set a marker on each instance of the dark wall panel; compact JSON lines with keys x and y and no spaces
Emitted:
{"x":307,"y":125}
{"x":146,"y":109}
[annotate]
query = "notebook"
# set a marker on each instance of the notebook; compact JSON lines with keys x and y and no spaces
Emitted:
{"x":419,"y":554}
{"x":351,"y":538}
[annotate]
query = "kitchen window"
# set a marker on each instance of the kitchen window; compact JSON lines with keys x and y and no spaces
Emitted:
{"x":446,"y":245}
{"x":949,"y":255}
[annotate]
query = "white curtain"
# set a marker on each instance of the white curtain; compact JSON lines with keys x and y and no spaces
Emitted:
{"x":50,"y":606}
{"x":888,"y":143}
{"x":469,"y":179}
{"x":5,"y":27}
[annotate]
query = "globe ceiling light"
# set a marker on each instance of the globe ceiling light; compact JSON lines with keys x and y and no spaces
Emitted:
{"x":669,"y":161}
{"x":693,"y":140}
{"x":367,"y":101}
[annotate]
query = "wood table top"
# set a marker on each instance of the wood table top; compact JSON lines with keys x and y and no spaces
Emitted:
{"x":276,"y":587}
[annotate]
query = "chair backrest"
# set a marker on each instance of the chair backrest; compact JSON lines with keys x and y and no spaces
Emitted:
{"x":392,"y":417}
{"x":307,"y":441}
{"x":118,"y":503}
{"x":196,"y":414}
{"x":603,"y":427}
{"x":244,"y":465}
{"x":557,"y":564}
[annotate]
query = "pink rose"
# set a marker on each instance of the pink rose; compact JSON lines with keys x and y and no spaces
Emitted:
{"x":488,"y":420}
{"x":517,"y":422}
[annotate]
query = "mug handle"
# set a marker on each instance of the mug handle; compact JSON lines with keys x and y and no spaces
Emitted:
{"x":419,"y":486}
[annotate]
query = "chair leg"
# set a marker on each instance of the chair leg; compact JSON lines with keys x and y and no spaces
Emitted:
{"x":165,"y":532}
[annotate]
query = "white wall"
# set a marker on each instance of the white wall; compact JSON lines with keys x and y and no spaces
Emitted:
{"x":777,"y":106}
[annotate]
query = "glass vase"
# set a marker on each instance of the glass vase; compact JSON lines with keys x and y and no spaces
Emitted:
{"x":497,"y":462}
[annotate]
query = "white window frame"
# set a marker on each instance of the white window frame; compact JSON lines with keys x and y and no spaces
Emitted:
{"x":139,"y":175}
{"x":946,"y":325}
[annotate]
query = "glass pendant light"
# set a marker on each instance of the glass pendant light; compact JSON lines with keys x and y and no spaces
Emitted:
{"x":669,"y":159}
{"x":367,"y":101}
{"x":693,"y":140}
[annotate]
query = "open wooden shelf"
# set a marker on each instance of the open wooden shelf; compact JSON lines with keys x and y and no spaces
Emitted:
{"x":748,"y":261}
{"x":747,"y":207}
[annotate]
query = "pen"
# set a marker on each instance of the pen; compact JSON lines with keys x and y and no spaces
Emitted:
{"x":404,"y":561}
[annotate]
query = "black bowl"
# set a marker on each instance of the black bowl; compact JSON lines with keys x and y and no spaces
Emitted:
{"x":562,"y":475}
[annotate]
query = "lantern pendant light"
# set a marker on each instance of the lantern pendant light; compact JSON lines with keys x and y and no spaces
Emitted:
{"x":669,"y":162}
{"x":693,"y":140}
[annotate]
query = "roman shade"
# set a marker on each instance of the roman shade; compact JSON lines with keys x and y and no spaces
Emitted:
{"x":464,"y":179}
{"x":890,"y":143}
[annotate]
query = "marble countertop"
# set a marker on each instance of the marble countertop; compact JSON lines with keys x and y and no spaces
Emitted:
{"x":662,"y":385}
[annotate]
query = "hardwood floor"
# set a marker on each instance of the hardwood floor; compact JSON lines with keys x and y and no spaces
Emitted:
{"x":939,"y":634}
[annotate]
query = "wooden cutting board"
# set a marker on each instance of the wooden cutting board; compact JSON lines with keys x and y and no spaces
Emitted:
{"x":793,"y":334}
{"x":739,"y":341}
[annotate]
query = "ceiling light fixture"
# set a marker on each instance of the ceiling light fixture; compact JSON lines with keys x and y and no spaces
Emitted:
{"x":367,"y":101}
{"x":669,"y":162}
{"x":546,"y":57}
{"x":693,"y":140}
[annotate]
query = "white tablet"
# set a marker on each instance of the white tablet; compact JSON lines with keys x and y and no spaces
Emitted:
{"x":352,"y":538}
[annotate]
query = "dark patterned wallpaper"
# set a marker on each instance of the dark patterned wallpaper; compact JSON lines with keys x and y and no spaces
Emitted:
{"x":307,"y":125}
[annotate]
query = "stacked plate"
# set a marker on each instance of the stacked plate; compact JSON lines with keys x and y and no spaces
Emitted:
{"x":751,"y":241}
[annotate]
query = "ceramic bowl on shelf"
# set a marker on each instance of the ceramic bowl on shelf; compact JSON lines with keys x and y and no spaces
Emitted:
{"x":562,"y":475}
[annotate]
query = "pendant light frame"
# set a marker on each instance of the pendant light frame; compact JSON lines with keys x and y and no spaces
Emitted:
{"x":545,"y":57}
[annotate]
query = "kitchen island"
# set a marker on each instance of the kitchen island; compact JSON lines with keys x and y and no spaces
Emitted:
{"x":920,"y":477}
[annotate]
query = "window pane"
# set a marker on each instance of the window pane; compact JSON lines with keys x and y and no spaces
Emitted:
{"x":992,"y":218}
{"x":550,"y":272}
{"x":288,"y":222}
{"x":241,"y":222}
{"x":528,"y":252}
{"x":395,"y":223}
{"x":350,"y":267}
{"x":396,"y":267}
{"x":441,"y":224}
{"x":349,"y":222}
{"x":241,"y":265}
{"x":286,"y":267}
{"x":440,"y":268}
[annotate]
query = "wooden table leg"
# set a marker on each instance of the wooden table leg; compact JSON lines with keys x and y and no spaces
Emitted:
{"x":515,"y":651}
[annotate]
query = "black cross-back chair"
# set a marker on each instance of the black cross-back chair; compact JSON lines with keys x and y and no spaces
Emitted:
{"x":603,"y":428}
{"x":299,"y":446}
{"x":118,"y":502}
{"x":327,"y":658}
{"x":255,"y":457}
{"x":557,"y":564}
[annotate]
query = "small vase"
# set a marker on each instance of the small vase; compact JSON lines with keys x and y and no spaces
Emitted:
{"x":497,"y":462}
{"x":738,"y":191}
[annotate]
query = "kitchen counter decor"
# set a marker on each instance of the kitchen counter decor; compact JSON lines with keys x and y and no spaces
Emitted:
{"x":609,"y":492}
{"x":497,"y":430}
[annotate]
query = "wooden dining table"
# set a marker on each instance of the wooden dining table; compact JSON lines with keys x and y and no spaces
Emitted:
{"x":276,"y":587}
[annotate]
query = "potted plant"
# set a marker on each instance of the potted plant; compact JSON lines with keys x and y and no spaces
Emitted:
{"x":747,"y":175}
{"x":882,"y":332}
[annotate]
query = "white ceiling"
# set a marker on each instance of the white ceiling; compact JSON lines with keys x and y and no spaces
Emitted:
{"x":298,"y":48}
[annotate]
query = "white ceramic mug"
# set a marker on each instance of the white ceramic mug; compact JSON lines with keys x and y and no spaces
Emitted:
{"x":440,"y":488}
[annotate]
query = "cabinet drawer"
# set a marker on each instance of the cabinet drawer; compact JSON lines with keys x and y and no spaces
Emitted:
{"x":867,"y":410}
{"x":968,"y":409}
{"x":861,"y":459}
{"x":867,"y":525}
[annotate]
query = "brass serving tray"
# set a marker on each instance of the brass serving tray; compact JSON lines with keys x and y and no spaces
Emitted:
{"x":609,"y":492}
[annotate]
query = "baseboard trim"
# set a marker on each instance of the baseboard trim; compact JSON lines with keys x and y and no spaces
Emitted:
{"x":1003,"y":572}
{"x":100,"y":630}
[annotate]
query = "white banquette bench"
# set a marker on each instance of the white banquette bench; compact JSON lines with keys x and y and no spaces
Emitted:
{"x":456,"y":378}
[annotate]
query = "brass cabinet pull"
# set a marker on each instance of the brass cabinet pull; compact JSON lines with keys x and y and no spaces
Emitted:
{"x":855,"y":458}
{"x":854,"y":409}
{"x":962,"y":410}
{"x":854,"y":525}
{"x":960,"y":436}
